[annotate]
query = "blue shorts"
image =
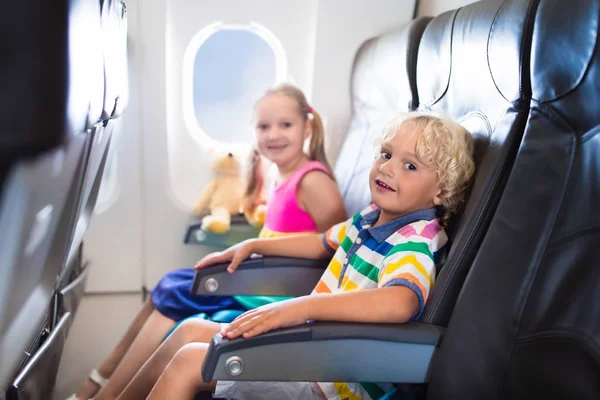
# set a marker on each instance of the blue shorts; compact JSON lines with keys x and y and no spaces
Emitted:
{"x":172,"y":298}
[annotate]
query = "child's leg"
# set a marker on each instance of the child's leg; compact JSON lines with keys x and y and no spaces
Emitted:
{"x":182,"y":378}
{"x":192,"y":330}
{"x":146,"y":342}
{"x":110,"y":363}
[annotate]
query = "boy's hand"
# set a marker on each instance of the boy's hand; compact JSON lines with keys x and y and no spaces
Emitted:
{"x":266,"y":318}
{"x":236,"y":254}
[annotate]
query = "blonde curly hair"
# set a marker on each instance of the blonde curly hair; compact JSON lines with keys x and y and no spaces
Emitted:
{"x":445,"y":145}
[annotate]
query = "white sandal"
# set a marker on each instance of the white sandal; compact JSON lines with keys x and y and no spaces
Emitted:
{"x":94,"y":377}
{"x":97,"y":378}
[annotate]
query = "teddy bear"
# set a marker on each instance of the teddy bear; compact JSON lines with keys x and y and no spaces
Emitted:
{"x":223,"y":196}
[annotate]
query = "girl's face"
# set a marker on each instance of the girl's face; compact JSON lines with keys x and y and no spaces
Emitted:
{"x":281,"y":129}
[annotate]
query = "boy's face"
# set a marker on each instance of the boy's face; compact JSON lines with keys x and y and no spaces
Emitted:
{"x":401,"y":184}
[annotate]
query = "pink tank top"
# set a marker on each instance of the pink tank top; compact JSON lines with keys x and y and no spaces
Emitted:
{"x":284,"y":214}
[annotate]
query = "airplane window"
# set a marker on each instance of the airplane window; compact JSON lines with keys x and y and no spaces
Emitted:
{"x":231,"y":68}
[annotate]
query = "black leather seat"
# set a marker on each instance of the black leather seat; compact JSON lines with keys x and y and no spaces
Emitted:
{"x":54,"y":94}
{"x":527,"y":321}
{"x":33,"y":79}
{"x":39,"y":191}
{"x":473,"y":66}
{"x":113,"y":38}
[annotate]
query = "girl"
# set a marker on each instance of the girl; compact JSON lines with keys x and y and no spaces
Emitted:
{"x":305,"y":199}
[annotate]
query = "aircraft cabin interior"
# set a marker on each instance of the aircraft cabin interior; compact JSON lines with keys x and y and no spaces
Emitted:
{"x":319,"y":199}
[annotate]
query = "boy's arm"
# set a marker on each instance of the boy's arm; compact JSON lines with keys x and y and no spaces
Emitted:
{"x":393,"y":304}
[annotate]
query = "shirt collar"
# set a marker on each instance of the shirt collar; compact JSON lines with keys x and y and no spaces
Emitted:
{"x":382,"y":232}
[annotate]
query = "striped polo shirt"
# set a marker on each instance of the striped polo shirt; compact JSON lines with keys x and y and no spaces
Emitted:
{"x":402,"y":252}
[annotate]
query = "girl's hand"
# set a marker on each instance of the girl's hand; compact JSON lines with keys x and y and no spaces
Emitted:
{"x":236,"y":254}
{"x":282,"y":314}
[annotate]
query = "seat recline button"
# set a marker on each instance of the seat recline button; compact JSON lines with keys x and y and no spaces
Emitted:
{"x":211,"y":285}
{"x":234,"y":366}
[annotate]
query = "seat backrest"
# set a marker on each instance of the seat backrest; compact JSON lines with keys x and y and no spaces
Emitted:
{"x":473,"y":67}
{"x":383,"y":84}
{"x":40,"y":192}
{"x":527,"y":323}
{"x":114,"y":51}
{"x":32,"y":80}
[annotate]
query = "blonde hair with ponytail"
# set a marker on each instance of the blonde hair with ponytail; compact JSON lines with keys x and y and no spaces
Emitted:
{"x":316,"y":147}
{"x":255,"y":183}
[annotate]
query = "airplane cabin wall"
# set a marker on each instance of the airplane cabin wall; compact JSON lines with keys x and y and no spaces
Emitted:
{"x":436,"y":7}
{"x":114,"y":241}
{"x":339,"y":35}
{"x":161,"y":167}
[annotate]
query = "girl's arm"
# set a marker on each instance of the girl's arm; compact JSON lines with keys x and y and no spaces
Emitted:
{"x":319,"y":195}
{"x":303,"y":245}
{"x":309,"y":245}
{"x":395,"y":304}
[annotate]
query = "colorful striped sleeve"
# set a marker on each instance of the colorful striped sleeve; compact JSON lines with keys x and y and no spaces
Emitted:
{"x":409,"y":264}
{"x":335,"y":235}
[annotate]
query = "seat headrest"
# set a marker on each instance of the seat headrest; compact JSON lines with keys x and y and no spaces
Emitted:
{"x":565,"y":62}
{"x":86,"y":67}
{"x":384,"y":75}
{"x":471,"y":61}
{"x":383,"y":84}
{"x":51,"y":83}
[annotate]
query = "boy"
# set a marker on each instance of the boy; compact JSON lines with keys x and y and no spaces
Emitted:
{"x":383,"y":266}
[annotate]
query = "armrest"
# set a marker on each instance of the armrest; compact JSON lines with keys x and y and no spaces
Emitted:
{"x":319,"y":352}
{"x":263,"y":276}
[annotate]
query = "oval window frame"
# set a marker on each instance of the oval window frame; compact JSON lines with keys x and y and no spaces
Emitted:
{"x":189,"y":58}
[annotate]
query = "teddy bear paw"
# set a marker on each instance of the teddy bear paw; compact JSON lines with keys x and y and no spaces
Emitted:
{"x":214,"y":225}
